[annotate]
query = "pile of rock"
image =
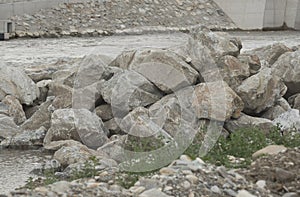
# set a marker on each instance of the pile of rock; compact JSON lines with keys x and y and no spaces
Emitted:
{"x":183,"y":177}
{"x":93,"y":18}
{"x":96,"y":106}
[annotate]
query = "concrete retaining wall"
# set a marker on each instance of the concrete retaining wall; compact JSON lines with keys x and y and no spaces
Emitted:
{"x":259,"y":14}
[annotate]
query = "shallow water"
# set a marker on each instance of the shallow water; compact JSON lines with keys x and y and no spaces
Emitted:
{"x":15,"y":166}
{"x":27,"y":52}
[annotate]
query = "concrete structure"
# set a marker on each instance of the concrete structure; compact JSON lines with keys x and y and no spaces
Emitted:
{"x":6,"y":27}
{"x":260,"y":14}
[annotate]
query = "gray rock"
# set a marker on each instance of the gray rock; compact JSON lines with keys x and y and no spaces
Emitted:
{"x":91,"y":68}
{"x":104,"y":112}
{"x":232,"y":71}
{"x":128,"y":90}
{"x":8,"y":127}
{"x":269,"y":150}
{"x":252,"y":61}
{"x":281,"y":106}
{"x":172,"y":115}
{"x":139,"y":123}
{"x":244,"y":193}
{"x":260,"y":92}
{"x":216,"y":101}
{"x":215,"y":189}
{"x":113,"y":126}
{"x":15,"y":109}
{"x":73,"y":154}
{"x":163,"y":68}
{"x":26,"y":139}
{"x":219,"y":43}
{"x":287,"y":68}
{"x":246,"y":121}
{"x":270,"y":53}
{"x":291,"y":194}
{"x":153,"y":192}
{"x":284,"y":175}
{"x":294,"y":101}
{"x":40,"y":118}
{"x":77,"y":124}
{"x":15,"y":82}
{"x":62,"y":93}
{"x":288,"y":121}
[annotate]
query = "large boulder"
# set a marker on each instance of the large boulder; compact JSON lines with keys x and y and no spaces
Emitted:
{"x":232,"y":70}
{"x":174,"y":113}
{"x":219,"y":43}
{"x":288,"y":121}
{"x":216,"y":101}
{"x":14,"y":81}
{"x":26,"y":139}
{"x":252,"y":61}
{"x":294,"y":101}
{"x":139,"y":123}
{"x":287,"y":68}
{"x":279,"y":108}
{"x":15,"y":109}
{"x":75,"y":153}
{"x":77,"y":124}
{"x":40,"y":118}
{"x":163,"y":68}
{"x":260,"y":92}
{"x":246,"y":121}
{"x":270,"y":54}
{"x":62,"y":93}
{"x":8,"y":127}
{"x":128,"y":90}
{"x":46,"y":71}
{"x":91,"y":68}
{"x":104,"y":112}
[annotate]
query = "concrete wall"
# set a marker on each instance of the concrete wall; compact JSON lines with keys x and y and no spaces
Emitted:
{"x":247,"y":14}
{"x":259,"y":14}
{"x":274,"y":15}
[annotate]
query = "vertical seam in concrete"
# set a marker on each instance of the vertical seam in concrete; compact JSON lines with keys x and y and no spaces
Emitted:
{"x":285,"y":12}
{"x":296,"y":25}
{"x":263,"y":21}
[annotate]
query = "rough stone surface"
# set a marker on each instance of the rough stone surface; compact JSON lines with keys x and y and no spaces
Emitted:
{"x":252,"y":61}
{"x":280,"y":171}
{"x":163,"y":68}
{"x":76,"y":124}
{"x":8,"y":127}
{"x":288,"y":121}
{"x":246,"y":121}
{"x":104,"y":112}
{"x":288,"y":69}
{"x":26,"y":139}
{"x":15,"y":82}
{"x":270,"y":53}
{"x":40,"y":118}
{"x":219,"y":43}
{"x":294,"y":101}
{"x":260,"y":92}
{"x":15,"y":109}
{"x":128,"y":90}
{"x":73,"y":154}
{"x":217,"y":101}
{"x":281,"y":106}
{"x":269,"y":150}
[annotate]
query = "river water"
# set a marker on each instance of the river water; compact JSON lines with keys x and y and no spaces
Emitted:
{"x":15,"y":166}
